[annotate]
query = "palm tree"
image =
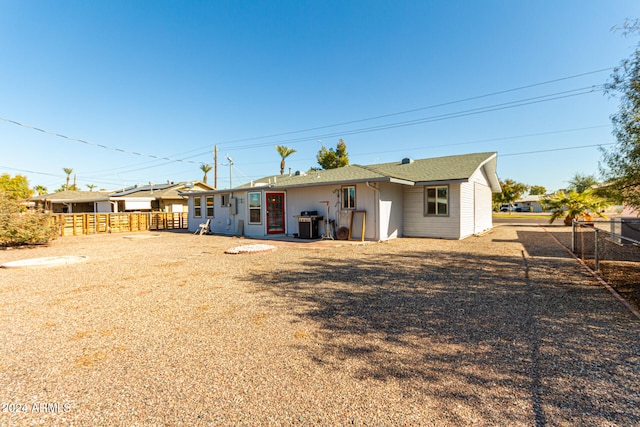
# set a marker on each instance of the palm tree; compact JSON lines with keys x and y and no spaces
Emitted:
{"x":41,"y":189}
{"x":91,"y":186}
{"x":284,"y":153}
{"x":573,"y":205}
{"x":205,"y":168}
{"x":68,"y":171}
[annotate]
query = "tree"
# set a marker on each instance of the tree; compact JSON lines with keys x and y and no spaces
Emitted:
{"x":572,"y":205}
{"x":537,"y":190}
{"x":68,"y":171}
{"x":332,"y":159}
{"x":579,"y":183}
{"x":511,"y":191}
{"x":21,"y":227}
{"x":41,"y":189}
{"x":284,"y":153}
{"x":63,"y":187}
{"x":206,"y":169}
{"x":91,"y":186}
{"x":16,"y":188}
{"x":621,"y":167}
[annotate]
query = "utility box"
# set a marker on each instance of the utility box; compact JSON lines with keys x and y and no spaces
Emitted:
{"x":233,"y":206}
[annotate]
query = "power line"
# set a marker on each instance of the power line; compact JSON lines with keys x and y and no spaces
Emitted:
{"x":448,"y":116}
{"x":478,"y":141}
{"x":443,"y":104}
{"x":549,"y":150}
{"x":480,"y":110}
{"x":34,"y":172}
{"x":106,"y":147}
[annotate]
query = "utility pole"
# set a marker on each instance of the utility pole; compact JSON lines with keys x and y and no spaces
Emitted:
{"x":215,"y":167}
{"x":230,"y":167}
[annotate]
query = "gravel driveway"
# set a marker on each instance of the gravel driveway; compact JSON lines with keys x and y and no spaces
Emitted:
{"x":502,"y":329}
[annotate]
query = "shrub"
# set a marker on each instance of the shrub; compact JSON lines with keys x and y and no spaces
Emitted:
{"x":19,"y":226}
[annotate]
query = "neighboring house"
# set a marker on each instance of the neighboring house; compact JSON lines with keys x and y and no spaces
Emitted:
{"x":531,"y":203}
{"x":446,"y":197}
{"x":74,"y":201}
{"x":166,"y":197}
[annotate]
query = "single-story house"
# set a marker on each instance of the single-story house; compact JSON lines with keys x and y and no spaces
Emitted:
{"x":165,"y":197}
{"x":531,"y":203}
{"x":72,"y":201}
{"x":446,"y":197}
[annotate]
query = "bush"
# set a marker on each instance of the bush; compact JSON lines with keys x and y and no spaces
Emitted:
{"x":18,"y":226}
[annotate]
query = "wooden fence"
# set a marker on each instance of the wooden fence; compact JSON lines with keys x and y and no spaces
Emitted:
{"x":94,"y":223}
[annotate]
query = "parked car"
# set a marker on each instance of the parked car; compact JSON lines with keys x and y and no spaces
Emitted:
{"x":506,"y":207}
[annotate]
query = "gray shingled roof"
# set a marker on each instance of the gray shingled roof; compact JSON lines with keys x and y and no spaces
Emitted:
{"x":159,"y":191}
{"x":75,"y":196}
{"x":449,"y":168}
{"x":435,"y":169}
{"x":351,"y":173}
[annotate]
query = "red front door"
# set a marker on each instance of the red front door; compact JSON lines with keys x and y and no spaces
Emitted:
{"x":275,"y":213}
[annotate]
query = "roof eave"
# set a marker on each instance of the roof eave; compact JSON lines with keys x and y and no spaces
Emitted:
{"x":443,"y":181}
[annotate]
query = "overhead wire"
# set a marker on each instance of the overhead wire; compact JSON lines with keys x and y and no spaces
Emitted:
{"x":447,"y":116}
{"x":370,"y":129}
{"x":413,"y":110}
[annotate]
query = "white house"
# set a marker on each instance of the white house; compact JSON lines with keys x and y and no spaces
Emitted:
{"x":165,"y":197}
{"x":446,"y":197}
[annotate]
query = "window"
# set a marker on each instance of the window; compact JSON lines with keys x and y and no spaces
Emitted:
{"x":197,"y":207}
{"x":349,"y":197}
{"x":437,"y":201}
{"x":224,"y":200}
{"x":209,"y":200}
{"x":255,"y":208}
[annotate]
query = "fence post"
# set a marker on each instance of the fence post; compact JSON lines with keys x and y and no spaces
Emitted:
{"x":597,"y":255}
{"x":581,"y":242}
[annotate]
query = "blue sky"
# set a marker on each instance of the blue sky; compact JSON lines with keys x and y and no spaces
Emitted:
{"x":394,"y":79}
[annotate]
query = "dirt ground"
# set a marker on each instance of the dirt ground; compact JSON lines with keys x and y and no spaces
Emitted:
{"x":166,"y":329}
{"x":624,"y":277}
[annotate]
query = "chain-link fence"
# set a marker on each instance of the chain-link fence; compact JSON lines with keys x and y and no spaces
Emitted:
{"x":612,"y":248}
{"x":614,"y":240}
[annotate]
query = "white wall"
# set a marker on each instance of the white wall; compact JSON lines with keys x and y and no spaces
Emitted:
{"x":312,"y":198}
{"x":103,"y":207}
{"x":391,"y":207}
{"x":476,"y":205}
{"x":221,"y":222}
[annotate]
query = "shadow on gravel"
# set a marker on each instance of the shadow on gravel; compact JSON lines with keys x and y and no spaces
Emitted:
{"x":493,"y":334}
{"x":540,"y":244}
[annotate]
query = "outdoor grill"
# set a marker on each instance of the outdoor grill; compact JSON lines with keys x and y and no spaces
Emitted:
{"x":308,"y":224}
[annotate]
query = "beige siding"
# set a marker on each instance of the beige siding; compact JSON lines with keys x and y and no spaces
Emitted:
{"x":416,"y":224}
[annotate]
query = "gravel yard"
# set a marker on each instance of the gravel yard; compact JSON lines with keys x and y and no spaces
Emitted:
{"x":502,"y":329}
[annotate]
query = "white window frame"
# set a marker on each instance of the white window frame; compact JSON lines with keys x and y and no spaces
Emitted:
{"x":346,"y":201}
{"x":197,"y":207}
{"x":210,"y":208}
{"x":257,"y":196}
